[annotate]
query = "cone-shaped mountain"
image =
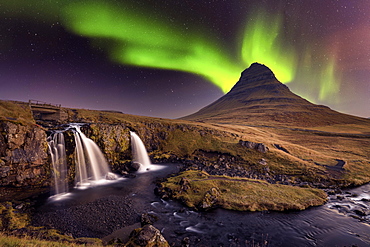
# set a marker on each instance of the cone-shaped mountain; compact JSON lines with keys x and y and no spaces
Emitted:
{"x":259,"y":98}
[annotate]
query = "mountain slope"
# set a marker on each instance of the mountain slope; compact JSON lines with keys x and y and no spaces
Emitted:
{"x":259,"y":98}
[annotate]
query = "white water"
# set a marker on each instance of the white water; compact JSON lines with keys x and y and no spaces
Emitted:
{"x":91,"y":165}
{"x":57,"y":150}
{"x":139,"y":153}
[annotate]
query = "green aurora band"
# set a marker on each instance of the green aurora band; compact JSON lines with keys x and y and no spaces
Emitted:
{"x":140,"y":41}
{"x":329,"y":79}
{"x":133,"y":37}
{"x":262,"y":43}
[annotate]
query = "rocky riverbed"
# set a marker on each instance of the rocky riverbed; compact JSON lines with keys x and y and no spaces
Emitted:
{"x":94,"y":219}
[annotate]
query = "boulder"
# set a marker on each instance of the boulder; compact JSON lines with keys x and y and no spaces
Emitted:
{"x":148,"y":219}
{"x":260,"y":147}
{"x":133,"y":166}
{"x":210,"y":199}
{"x":147,"y":236}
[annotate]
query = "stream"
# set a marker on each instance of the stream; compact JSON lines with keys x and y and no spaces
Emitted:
{"x":113,"y":210}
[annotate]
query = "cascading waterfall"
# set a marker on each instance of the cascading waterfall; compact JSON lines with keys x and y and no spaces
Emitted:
{"x":91,"y":165}
{"x":139,"y":152}
{"x":56,"y":146}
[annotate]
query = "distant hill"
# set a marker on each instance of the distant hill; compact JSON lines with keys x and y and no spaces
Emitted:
{"x":259,"y":98}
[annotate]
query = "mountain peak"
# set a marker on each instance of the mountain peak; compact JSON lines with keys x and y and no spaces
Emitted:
{"x":256,"y":74}
{"x":256,"y":82}
{"x":259,"y":98}
{"x":257,"y":69}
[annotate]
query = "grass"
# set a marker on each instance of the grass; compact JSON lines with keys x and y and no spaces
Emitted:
{"x":199,"y":190}
{"x":15,"y":112}
{"x":16,"y":223}
{"x":12,"y":241}
{"x":309,"y":152}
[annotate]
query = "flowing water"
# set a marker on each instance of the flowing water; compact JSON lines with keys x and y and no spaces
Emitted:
{"x":112,"y":210}
{"x":57,"y":150}
{"x":91,"y":166}
{"x":139,"y":153}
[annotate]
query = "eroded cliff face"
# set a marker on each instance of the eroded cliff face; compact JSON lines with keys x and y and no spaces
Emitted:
{"x":23,"y":155}
{"x":115,"y":141}
{"x":164,"y":141}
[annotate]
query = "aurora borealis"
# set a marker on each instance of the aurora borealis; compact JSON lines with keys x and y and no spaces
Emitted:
{"x":170,"y":58}
{"x":143,"y":43}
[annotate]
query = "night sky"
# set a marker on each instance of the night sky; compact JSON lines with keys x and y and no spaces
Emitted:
{"x":169,"y":58}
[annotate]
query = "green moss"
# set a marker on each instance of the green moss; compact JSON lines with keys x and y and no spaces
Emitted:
{"x":200,"y":190}
{"x":10,"y":219}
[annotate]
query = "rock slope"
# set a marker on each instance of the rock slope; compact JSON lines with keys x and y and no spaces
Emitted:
{"x":259,"y":98}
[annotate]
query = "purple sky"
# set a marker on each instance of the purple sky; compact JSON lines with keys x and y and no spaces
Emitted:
{"x":40,"y":59}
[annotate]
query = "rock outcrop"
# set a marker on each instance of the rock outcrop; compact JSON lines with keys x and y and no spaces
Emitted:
{"x":147,"y":236}
{"x":260,"y":147}
{"x":23,"y":155}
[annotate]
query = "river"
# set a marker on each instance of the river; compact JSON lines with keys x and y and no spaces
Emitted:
{"x":113,"y":210}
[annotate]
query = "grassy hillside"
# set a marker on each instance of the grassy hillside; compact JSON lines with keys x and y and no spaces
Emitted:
{"x":15,"y":112}
{"x":309,"y":153}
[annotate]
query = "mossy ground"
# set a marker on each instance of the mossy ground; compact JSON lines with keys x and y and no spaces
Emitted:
{"x":15,"y":230}
{"x":15,"y":112}
{"x":12,"y":241}
{"x":197,"y":189}
{"x":312,"y":150}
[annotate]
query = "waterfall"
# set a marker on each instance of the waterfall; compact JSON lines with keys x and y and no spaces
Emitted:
{"x":57,"y":150}
{"x":91,"y":165}
{"x":139,"y":152}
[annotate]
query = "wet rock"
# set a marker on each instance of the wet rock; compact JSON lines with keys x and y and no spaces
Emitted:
{"x":340,"y":197}
{"x":111,"y":176}
{"x":360,"y":211}
{"x":331,"y":192}
{"x":185,"y":242}
{"x":148,"y":219}
{"x":343,"y":208}
{"x":148,"y":236}
{"x":133,"y":166}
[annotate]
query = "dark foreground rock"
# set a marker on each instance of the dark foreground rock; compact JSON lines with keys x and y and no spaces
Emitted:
{"x":147,"y":236}
{"x":23,"y":155}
